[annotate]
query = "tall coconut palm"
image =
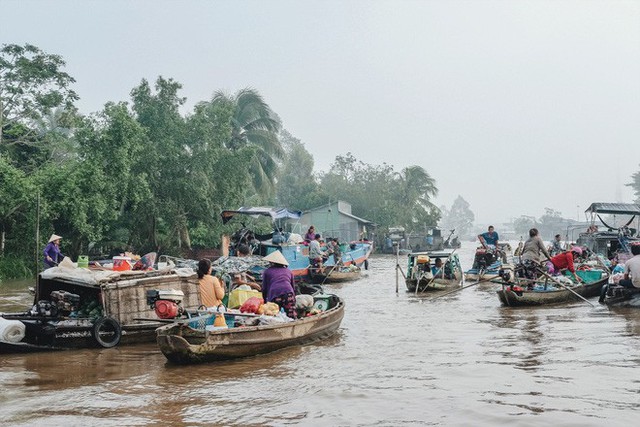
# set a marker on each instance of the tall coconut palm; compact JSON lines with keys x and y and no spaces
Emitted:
{"x":416,"y":188}
{"x":254,"y":125}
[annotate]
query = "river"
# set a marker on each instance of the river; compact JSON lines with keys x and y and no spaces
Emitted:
{"x":398,"y":359}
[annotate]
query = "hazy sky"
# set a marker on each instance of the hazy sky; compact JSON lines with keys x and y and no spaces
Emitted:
{"x":514,"y":105}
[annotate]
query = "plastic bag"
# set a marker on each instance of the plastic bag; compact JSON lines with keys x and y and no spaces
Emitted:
{"x":251,"y":305}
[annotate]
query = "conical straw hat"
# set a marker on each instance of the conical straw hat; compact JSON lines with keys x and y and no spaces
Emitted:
{"x":276,"y":257}
{"x":53,"y":238}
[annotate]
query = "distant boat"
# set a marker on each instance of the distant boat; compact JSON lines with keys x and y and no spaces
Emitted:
{"x":419,"y":273}
{"x":296,"y":253}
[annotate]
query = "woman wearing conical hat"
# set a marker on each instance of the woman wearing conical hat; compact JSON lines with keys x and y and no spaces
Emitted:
{"x":278,"y":284}
{"x":52,"y":254}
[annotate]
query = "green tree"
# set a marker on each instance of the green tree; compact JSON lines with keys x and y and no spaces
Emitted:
{"x":16,"y":197}
{"x":32,"y":85}
{"x":415,"y":190}
{"x":296,"y":187}
{"x":254,"y":125}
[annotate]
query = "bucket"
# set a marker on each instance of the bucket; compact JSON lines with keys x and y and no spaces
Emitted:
{"x":83,"y":261}
{"x":121,"y":263}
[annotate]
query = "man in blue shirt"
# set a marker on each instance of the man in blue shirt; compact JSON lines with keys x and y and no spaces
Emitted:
{"x":489,"y":238}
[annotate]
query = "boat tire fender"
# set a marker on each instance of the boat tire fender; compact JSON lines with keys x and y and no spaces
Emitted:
{"x":107,"y":332}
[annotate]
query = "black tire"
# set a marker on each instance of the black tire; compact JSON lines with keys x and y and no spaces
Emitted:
{"x":366,"y":264}
{"x":107,"y":332}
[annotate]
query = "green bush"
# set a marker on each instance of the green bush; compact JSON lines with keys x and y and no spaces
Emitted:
{"x":15,"y":268}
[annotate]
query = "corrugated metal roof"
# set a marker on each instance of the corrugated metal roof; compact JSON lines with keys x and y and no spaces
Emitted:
{"x":614,"y":208}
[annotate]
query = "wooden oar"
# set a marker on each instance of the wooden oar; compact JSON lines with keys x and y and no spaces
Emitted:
{"x":566,"y":287}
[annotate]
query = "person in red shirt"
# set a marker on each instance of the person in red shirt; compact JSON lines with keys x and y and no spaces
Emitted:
{"x":565,"y":261}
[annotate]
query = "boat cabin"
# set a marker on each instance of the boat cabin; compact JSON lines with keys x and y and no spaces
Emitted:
{"x":611,"y":235}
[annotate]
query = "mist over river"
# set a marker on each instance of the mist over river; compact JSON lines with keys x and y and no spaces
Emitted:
{"x":398,"y":359}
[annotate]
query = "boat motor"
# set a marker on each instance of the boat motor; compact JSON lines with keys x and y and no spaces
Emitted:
{"x":65,"y":302}
{"x":166,"y":302}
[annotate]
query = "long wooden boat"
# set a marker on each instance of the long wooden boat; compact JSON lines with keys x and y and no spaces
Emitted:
{"x":513,"y":295}
{"x":120,"y":311}
{"x":297,"y":254}
{"x":335,"y":276}
{"x":419,"y":271}
{"x":182,"y":344}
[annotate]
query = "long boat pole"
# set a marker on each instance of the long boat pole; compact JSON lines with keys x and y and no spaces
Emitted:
{"x":397,"y":265}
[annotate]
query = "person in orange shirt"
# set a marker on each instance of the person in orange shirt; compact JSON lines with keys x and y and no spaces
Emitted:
{"x":211,"y":290}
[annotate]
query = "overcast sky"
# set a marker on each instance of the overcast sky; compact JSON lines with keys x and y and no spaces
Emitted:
{"x":514,"y":105}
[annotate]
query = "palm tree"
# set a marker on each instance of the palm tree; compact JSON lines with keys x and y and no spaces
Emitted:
{"x":254,"y":125}
{"x":416,"y":188}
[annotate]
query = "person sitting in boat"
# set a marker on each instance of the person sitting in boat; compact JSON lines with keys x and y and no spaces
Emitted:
{"x":310,"y":235}
{"x":278,"y":237}
{"x":565,"y":261}
{"x":316,"y":255}
{"x":531,"y":250}
{"x":489,"y":238}
{"x":211,"y":289}
{"x":631,"y":272}
{"x":632,"y":269}
{"x":437,"y":269}
{"x":278,"y":283}
{"x":52,"y":254}
{"x":244,"y":278}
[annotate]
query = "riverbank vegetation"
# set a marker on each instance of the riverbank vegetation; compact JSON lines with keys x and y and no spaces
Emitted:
{"x":142,"y":175}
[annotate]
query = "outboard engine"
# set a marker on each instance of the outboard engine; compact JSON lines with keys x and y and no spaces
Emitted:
{"x":44,"y":308}
{"x":483,"y":258}
{"x":65,"y":302}
{"x":507,"y":274}
{"x":166,"y":302}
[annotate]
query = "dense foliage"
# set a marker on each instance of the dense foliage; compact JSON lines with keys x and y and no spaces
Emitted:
{"x":141,"y":175}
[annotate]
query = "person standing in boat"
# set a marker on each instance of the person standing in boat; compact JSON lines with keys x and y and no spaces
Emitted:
{"x":52,"y":254}
{"x":316,"y":256}
{"x":311,"y":234}
{"x":531,"y":250}
{"x":278,"y":283}
{"x":489,"y":238}
{"x":336,"y":252}
{"x":565,"y":261}
{"x":556,"y":245}
{"x":211,"y":289}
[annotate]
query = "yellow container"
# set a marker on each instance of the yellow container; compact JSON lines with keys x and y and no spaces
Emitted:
{"x":237,"y":297}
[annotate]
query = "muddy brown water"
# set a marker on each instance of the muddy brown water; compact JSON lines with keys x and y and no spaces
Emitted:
{"x":398,"y":359}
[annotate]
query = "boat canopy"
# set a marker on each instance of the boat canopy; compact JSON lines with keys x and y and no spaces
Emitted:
{"x":255,"y":212}
{"x":614,"y":208}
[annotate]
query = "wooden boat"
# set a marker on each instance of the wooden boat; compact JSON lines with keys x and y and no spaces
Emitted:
{"x":419,"y":271}
{"x":548,"y":293}
{"x":182,"y":344}
{"x":121,"y":313}
{"x":334,"y":275}
{"x":297,"y":254}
